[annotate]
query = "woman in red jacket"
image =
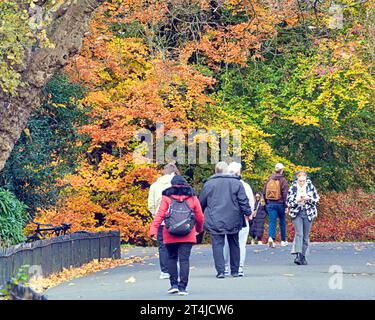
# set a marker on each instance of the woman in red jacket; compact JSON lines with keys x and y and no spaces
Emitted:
{"x":179,"y":247}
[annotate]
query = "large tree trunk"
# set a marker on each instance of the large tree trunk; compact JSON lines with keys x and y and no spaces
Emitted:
{"x":66,"y":34}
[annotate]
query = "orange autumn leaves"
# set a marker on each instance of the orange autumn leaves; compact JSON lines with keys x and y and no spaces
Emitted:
{"x":71,"y":274}
{"x":127,"y":90}
{"x":134,"y":82}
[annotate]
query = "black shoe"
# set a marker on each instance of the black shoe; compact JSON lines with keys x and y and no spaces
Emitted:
{"x":298,"y":259}
{"x":173,"y":289}
{"x":304,"y":261}
{"x":235,"y":275}
{"x":220,"y":275}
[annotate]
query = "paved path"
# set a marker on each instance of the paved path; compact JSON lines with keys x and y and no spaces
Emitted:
{"x":270,"y":274}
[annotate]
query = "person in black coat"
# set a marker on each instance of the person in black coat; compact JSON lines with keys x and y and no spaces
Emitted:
{"x":258,"y":219}
{"x":224,"y":202}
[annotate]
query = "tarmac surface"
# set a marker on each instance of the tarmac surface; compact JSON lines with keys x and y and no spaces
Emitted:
{"x":335,"y":271}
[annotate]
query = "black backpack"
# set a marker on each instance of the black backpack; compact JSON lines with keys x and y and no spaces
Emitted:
{"x":180,"y":220}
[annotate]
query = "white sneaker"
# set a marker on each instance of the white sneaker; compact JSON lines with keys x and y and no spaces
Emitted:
{"x":284,"y":243}
{"x":183,"y":292}
{"x":252,"y":241}
{"x":226,"y":272}
{"x":164,"y":276}
{"x":271,"y":243}
{"x":260,"y":242}
{"x":241,"y":273}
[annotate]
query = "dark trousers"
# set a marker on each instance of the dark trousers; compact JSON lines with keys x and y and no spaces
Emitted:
{"x":163,"y":253}
{"x":218,"y":241}
{"x":179,"y":252}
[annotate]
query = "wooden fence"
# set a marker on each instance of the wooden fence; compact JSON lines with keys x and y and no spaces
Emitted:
{"x":54,"y":254}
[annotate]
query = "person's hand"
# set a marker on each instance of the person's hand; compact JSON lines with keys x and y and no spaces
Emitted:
{"x":286,"y":210}
{"x":251,"y":217}
{"x":153,"y":237}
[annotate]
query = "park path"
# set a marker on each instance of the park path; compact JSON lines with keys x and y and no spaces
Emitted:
{"x":269,"y":274}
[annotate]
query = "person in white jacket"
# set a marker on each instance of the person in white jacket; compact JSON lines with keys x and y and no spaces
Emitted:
{"x":235,"y":168}
{"x":154,"y":199}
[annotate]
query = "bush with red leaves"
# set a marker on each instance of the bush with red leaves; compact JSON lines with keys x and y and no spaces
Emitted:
{"x":342,"y":216}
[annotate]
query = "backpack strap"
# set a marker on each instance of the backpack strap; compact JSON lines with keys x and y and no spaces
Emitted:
{"x":256,"y":209}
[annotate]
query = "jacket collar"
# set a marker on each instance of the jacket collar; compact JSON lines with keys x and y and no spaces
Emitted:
{"x":224,"y":175}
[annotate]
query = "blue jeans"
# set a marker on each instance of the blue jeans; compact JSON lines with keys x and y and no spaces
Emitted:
{"x":276,"y":210}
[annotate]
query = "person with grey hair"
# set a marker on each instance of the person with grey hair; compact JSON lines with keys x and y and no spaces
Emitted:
{"x":235,"y":169}
{"x":224,"y":203}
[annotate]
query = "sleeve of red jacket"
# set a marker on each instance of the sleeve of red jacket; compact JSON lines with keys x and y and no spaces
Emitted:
{"x":160,"y":216}
{"x":199,"y":217}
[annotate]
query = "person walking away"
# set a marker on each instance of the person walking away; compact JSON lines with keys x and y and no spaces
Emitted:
{"x":275,"y":192}
{"x":182,"y":213}
{"x":224,"y":202}
{"x":154,"y":198}
{"x":235,"y":169}
{"x":258,"y":219}
{"x":302,"y":201}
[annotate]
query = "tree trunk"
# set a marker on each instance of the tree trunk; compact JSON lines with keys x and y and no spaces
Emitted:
{"x":66,"y":33}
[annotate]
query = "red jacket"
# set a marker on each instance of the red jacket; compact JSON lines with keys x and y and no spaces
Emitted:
{"x":179,"y":193}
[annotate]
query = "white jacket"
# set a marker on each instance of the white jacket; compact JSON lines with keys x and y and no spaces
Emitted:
{"x":155,"y":193}
{"x":249,"y":194}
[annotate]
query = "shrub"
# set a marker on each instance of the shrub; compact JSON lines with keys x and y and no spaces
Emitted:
{"x":342,"y":216}
{"x":345,"y":216}
{"x":13,"y":217}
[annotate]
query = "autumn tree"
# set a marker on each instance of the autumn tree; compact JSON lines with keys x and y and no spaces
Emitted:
{"x":37,"y":39}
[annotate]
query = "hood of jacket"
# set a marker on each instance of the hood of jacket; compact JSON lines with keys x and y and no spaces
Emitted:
{"x":179,"y":192}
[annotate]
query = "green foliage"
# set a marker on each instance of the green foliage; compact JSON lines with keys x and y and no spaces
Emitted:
{"x":22,"y":277}
{"x":49,"y":148}
{"x":13,"y":218}
{"x":20,"y":29}
{"x":15,"y":38}
{"x":316,"y":108}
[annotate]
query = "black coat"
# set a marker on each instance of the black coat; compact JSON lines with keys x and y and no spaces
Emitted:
{"x":257,"y":224}
{"x":224,"y":203}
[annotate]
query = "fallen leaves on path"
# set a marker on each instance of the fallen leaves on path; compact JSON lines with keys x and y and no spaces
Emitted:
{"x":131,"y":280}
{"x":42,"y":284}
{"x":358,"y":247}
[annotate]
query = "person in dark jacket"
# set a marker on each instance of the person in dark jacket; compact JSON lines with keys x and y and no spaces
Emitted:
{"x":178,"y":247}
{"x":257,"y":219}
{"x":224,"y":202}
{"x":277,"y":207}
